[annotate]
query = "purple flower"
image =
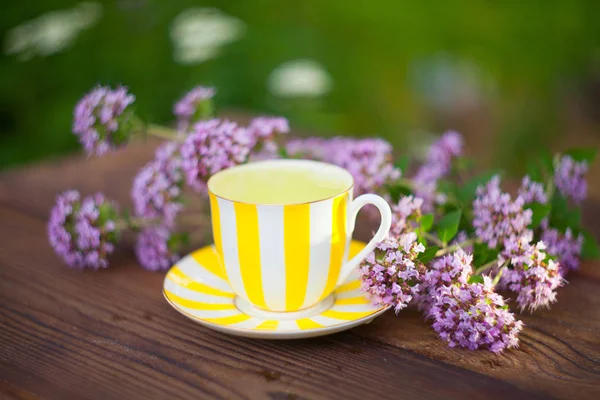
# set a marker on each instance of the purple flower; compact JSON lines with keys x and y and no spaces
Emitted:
{"x":428,"y":191}
{"x":474,"y":317}
{"x":440,"y":156}
{"x":530,"y":274}
{"x":437,"y":165}
{"x":404,"y":215}
{"x":82,"y":231}
{"x":531,"y":191}
{"x":451,"y":269}
{"x":211,"y":147}
{"x":266,"y":128}
{"x":314,"y":148}
{"x":102,"y":121}
{"x":157,"y":188}
{"x":156,"y":249}
{"x":368,"y":160}
{"x":391,"y":274}
{"x":194,"y":106}
{"x":565,"y":246}
{"x":263,"y":131}
{"x":569,"y":178}
{"x":496,"y":216}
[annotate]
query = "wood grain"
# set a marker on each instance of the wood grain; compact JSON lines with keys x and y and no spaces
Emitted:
{"x":109,"y":334}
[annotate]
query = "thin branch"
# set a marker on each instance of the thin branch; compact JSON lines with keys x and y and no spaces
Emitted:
{"x":454,"y":247}
{"x":163,"y":132}
{"x":497,"y":277}
{"x":434,"y":239}
{"x":489,"y":266}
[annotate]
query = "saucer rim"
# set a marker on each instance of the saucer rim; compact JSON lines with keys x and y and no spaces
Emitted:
{"x":272,"y":334}
{"x":290,"y":334}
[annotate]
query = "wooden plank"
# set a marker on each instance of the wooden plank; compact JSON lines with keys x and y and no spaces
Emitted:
{"x":110,"y":334}
{"x":33,"y":188}
{"x":559,"y":353}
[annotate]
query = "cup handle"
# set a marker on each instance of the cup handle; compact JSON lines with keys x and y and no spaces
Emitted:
{"x":384,"y":228}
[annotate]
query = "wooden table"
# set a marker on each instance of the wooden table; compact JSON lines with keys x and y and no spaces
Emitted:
{"x":111,"y":335}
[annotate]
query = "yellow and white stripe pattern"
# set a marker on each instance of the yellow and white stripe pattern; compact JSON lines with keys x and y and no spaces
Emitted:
{"x":197,"y":287}
{"x":281,"y":257}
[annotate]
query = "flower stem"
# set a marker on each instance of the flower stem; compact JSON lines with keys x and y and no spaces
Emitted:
{"x":121,"y":224}
{"x":489,"y":266}
{"x":550,"y":189}
{"x":163,"y":132}
{"x":497,"y":277}
{"x":141,"y":222}
{"x":454,"y":247}
{"x":434,"y":239}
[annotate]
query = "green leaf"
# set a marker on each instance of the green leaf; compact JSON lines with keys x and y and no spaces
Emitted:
{"x":426,"y":222}
{"x":428,"y":254}
{"x":561,"y":216}
{"x":534,"y":170}
{"x":482,"y":254}
{"x":476,"y":279}
{"x":583,"y":154}
{"x":397,"y":191}
{"x":403,"y":163}
{"x":283,"y":152}
{"x":178,"y":240}
{"x":547,"y":162}
{"x":540,"y":211}
{"x":126,"y":215}
{"x":467,"y":192}
{"x":462,"y":165}
{"x":447,"y":228}
{"x":590,"y":249}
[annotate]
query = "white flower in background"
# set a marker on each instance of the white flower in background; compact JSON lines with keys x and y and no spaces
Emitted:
{"x":199,"y":33}
{"x":51,"y":32}
{"x":300,"y":78}
{"x":450,"y":84}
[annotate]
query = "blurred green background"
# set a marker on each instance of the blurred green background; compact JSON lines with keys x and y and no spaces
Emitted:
{"x":512,"y":76}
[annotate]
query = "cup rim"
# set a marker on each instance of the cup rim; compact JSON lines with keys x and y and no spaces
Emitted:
{"x":280,"y":161}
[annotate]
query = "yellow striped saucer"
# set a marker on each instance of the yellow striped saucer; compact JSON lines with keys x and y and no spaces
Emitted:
{"x":197,"y":287}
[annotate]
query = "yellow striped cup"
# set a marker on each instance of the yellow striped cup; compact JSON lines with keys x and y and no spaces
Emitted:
{"x":289,"y":257}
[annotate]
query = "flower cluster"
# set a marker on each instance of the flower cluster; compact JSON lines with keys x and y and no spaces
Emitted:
{"x":451,"y":269}
{"x":531,"y":191}
{"x":156,"y":248}
{"x":157,"y":188}
{"x":82,"y":231}
{"x":405,"y":214}
{"x":440,"y":156}
{"x":493,"y":234}
{"x":368,"y":160}
{"x":102,"y":121}
{"x":438,"y":163}
{"x":531,"y":274}
{"x":569,"y":178}
{"x":264,"y":131}
{"x":313,"y":148}
{"x":212,"y":146}
{"x":496,"y":216}
{"x":565,"y":246}
{"x":391,"y":274}
{"x":195,"y":105}
{"x":473,"y":316}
